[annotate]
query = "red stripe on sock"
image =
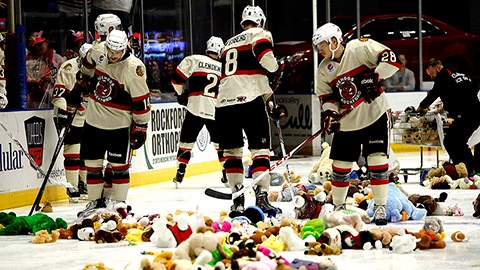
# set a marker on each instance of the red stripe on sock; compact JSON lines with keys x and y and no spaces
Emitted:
{"x":340,"y":184}
{"x":378,"y":167}
{"x":341,"y":170}
{"x":377,"y":182}
{"x":234,"y":170}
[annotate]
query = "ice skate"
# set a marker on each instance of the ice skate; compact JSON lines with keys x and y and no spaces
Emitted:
{"x":82,"y":188}
{"x":73,"y":195}
{"x":239,"y":202}
{"x":380,"y":215}
{"x":91,"y":206}
{"x":261,"y":201}
{"x":180,"y":174}
{"x":224,"y":178}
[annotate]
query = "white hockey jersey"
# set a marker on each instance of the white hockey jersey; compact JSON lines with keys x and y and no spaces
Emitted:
{"x":338,"y":82}
{"x":65,"y":95}
{"x":121,"y":94}
{"x":245,"y":58}
{"x":203,"y":75}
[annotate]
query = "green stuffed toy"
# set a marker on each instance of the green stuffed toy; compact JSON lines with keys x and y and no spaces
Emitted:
{"x":313,"y":227}
{"x":29,"y":224}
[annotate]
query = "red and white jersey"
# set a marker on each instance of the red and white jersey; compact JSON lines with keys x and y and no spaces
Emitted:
{"x":245,"y":58}
{"x":65,"y":94}
{"x":338,"y":82}
{"x":203,"y":75}
{"x":121,"y":94}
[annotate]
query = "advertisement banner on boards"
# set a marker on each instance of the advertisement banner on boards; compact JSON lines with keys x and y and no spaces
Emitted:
{"x":36,"y":132}
{"x":163,"y":135}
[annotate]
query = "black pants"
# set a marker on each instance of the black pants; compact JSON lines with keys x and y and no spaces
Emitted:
{"x":456,"y":138}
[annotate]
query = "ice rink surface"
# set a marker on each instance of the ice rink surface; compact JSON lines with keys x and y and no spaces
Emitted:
{"x":17,"y":252}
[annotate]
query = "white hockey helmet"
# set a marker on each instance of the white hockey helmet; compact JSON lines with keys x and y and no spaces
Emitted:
{"x":254,"y":14}
{"x":84,"y":49}
{"x":104,"y":22}
{"x":325,"y":33}
{"x":214,"y":45}
{"x":117,"y":40}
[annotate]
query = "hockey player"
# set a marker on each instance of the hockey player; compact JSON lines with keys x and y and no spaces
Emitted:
{"x":67,"y":95}
{"x":3,"y":81}
{"x":105,"y":23}
{"x":241,"y":104}
{"x":202,"y":73}
{"x":117,"y":115}
{"x":348,"y":77}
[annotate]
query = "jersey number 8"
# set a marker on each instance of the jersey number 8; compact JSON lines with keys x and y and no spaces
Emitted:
{"x":231,"y":62}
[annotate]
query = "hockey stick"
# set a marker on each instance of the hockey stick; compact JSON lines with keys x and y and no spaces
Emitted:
{"x":284,"y":152}
{"x":58,"y":147}
{"x":32,"y":161}
{"x":228,"y":196}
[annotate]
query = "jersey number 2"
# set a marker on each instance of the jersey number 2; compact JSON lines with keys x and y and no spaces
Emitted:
{"x":206,"y":91}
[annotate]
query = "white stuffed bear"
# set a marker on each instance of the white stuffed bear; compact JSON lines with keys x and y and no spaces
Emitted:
{"x":292,"y":241}
{"x":403,"y":242}
{"x":164,"y":237}
{"x":322,"y":170}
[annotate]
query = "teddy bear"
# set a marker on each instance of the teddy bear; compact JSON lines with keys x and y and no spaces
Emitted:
{"x":349,"y":217}
{"x":476,"y":207}
{"x":432,"y":240}
{"x":277,"y":179}
{"x":306,"y":206}
{"x":323,"y":166}
{"x":398,"y":207}
{"x":435,"y":224}
{"x":361,"y":240}
{"x":321,"y":249}
{"x":383,"y":236}
{"x":203,"y":239}
{"x":43,"y":236}
{"x":291,"y":240}
{"x":170,"y":237}
{"x":403,"y":242}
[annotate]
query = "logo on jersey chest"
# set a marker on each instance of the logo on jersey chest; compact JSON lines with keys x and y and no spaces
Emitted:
{"x":330,"y":68}
{"x":105,"y":90}
{"x":347,"y":89}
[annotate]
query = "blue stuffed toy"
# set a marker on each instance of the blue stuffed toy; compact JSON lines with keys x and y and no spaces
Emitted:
{"x":396,"y":203}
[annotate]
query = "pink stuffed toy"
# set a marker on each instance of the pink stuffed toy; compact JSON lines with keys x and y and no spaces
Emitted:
{"x":226,"y":226}
{"x":271,"y":254}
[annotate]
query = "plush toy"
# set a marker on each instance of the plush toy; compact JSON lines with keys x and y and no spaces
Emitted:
{"x":332,"y":236}
{"x":203,"y":239}
{"x":454,"y":210}
{"x":307,"y":206}
{"x":476,"y":207}
{"x":321,"y":249}
{"x":459,"y":237}
{"x":435,"y":224}
{"x":46,"y":207}
{"x":292,"y":241}
{"x":225,"y":227}
{"x":432,"y":240}
{"x":86,"y":234}
{"x":277,"y":179}
{"x":273,"y":242}
{"x":403,"y":242}
{"x":252,"y":213}
{"x":397,"y":203}
{"x":42,"y":237}
{"x":362,"y":240}
{"x":30,"y":224}
{"x":294,"y":178}
{"x":349,"y":217}
{"x":312,"y":227}
{"x":170,"y":237}
{"x":322,"y":169}
{"x":384,"y":236}
{"x":96,"y":266}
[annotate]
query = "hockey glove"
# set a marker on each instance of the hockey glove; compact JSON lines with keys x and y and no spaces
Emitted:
{"x":274,"y":78}
{"x":274,"y":111}
{"x":138,"y":135}
{"x":63,"y":118}
{"x":370,"y":87}
{"x":182,"y":99}
{"x":330,"y":121}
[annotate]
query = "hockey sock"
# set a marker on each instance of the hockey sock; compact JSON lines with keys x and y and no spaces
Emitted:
{"x":72,"y":162}
{"x":94,"y":178}
{"x":221,"y":157}
{"x":340,"y":181}
{"x":378,"y":166}
{"x":121,"y":181}
{"x":234,"y":166}
{"x":260,"y":164}
{"x":184,"y":152}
